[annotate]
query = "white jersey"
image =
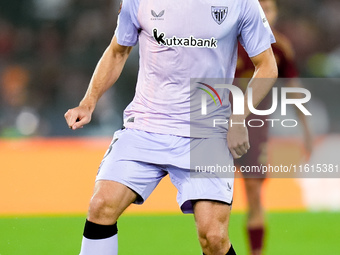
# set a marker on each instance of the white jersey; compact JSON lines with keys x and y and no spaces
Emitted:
{"x":181,"y":41}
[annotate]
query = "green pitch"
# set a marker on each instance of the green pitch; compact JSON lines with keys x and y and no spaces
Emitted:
{"x":288,"y":233}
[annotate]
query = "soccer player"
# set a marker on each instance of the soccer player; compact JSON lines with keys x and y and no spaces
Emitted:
{"x":178,"y":40}
{"x":258,"y":137}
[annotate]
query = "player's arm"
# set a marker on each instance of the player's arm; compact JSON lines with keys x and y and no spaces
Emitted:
{"x":264,"y":77}
{"x":262,"y":81}
{"x":105,"y":75}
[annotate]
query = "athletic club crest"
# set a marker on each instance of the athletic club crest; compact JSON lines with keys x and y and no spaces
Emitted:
{"x":219,"y":13}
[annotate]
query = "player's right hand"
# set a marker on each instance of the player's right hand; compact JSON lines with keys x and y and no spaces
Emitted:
{"x":78,"y":117}
{"x":238,"y":140}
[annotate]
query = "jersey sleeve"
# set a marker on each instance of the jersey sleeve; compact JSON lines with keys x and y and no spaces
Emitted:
{"x":128,"y":27}
{"x":255,"y":34}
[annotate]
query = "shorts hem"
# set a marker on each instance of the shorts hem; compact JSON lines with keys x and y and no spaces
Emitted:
{"x":187,"y":205}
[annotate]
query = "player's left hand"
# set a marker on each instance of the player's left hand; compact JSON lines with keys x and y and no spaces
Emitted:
{"x":238,"y":140}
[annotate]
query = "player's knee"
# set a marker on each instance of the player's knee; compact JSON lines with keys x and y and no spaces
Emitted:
{"x":214,"y":241}
{"x":101,"y":209}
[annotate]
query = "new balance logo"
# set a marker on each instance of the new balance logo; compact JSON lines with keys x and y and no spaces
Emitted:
{"x":157,"y":16}
{"x":184,"y":42}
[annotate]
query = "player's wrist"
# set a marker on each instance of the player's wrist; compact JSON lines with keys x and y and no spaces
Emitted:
{"x":238,"y":118}
{"x":87,"y":104}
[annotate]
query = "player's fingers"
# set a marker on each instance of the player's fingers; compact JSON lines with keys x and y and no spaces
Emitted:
{"x":234,"y":154}
{"x":233,"y":150}
{"x":239,"y":150}
{"x":247,"y":145}
{"x":242,"y":149}
{"x":80,"y":122}
{"x":71,"y":117}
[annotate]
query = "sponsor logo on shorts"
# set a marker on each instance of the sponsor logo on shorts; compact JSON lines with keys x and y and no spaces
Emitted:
{"x":191,"y":41}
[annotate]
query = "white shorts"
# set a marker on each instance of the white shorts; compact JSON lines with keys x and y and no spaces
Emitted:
{"x":140,"y":159}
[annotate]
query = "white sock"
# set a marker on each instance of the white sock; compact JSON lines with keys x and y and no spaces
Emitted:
{"x":106,"y":246}
{"x":99,"y":239}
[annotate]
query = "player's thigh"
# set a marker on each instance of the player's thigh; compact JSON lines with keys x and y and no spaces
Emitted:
{"x":212,"y":218}
{"x":130,"y":162}
{"x":109,"y":201}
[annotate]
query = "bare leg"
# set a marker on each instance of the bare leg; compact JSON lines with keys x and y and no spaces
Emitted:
{"x":256,"y":218}
{"x":109,"y":201}
{"x":212,"y":220}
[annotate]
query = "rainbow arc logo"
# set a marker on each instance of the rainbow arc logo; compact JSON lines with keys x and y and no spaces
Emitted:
{"x":204,"y":98}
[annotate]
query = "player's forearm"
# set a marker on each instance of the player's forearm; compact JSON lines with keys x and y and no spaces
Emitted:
{"x":106,"y":73}
{"x":262,"y":81}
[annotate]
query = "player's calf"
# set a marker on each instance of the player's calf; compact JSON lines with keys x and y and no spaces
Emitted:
{"x":109,"y":201}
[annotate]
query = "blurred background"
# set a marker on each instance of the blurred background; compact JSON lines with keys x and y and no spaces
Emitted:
{"x":48,"y":51}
